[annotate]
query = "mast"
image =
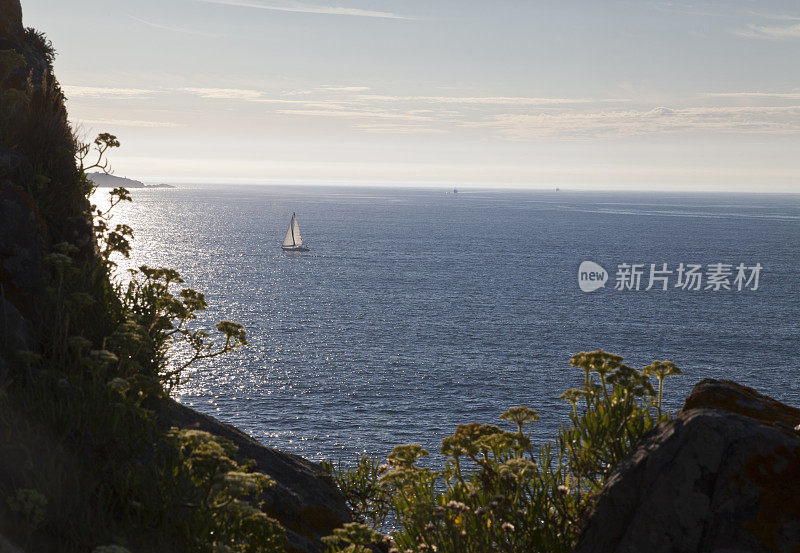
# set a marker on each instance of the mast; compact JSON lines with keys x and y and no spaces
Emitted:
{"x":293,"y":238}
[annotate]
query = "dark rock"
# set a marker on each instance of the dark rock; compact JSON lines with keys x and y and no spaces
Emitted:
{"x":305,"y":500}
{"x":724,"y":478}
{"x":735,"y":398}
{"x":11,"y":32}
{"x":20,"y":249}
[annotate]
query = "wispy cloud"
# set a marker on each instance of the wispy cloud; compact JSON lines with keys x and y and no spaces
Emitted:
{"x":585,"y":125}
{"x":308,"y":8}
{"x":104,"y":91}
{"x":755,"y":95}
{"x":128,"y":123}
{"x":771,"y":32}
{"x":357,"y":114}
{"x":484,"y":100}
{"x":343,"y":88}
{"x":397,"y":128}
{"x":174,"y":29}
{"x":225,"y":93}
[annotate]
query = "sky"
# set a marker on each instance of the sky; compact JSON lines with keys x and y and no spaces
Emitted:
{"x":523,"y":94}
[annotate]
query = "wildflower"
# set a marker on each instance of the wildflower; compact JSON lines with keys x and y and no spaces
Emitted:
{"x":563,"y":489}
{"x":520,"y":415}
{"x":28,"y":357}
{"x":507,"y":527}
{"x":518,"y":469}
{"x":102,"y":357}
{"x":78,"y":343}
{"x":495,"y":442}
{"x":233,"y":331}
{"x":354,"y":533}
{"x":457,"y":505}
{"x":119,"y":385}
{"x":406,"y":455}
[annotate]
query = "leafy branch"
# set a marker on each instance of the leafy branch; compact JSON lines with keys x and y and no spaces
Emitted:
{"x":102,"y":144}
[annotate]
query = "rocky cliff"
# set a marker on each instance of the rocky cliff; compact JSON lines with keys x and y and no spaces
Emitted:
{"x":43,"y":207}
{"x":722,"y":477}
{"x":304,"y":501}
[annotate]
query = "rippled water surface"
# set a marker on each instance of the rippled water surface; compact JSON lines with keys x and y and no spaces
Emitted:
{"x":417,"y":310}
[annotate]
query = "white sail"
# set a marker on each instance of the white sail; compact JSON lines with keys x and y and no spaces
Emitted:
{"x":298,"y":240}
{"x":293,"y":237}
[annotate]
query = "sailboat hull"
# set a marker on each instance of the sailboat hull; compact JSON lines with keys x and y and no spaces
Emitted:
{"x":295,"y":248}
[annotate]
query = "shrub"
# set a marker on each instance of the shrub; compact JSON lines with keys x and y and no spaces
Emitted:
{"x":77,"y":409}
{"x":496,"y":491}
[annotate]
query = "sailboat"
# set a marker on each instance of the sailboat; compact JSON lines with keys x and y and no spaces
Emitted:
{"x":293,"y":242}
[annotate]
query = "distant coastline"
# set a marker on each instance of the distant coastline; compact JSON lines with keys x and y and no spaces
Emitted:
{"x":102,"y":180}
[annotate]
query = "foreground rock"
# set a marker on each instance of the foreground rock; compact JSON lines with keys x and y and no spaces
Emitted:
{"x":305,"y":500}
{"x":723,"y":477}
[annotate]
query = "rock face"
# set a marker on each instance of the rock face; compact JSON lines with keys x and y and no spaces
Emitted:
{"x":722,"y":477}
{"x":305,"y":500}
{"x":10,"y":23}
{"x":42,"y":203}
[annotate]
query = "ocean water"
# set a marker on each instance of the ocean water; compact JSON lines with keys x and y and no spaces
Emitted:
{"x":417,"y":310}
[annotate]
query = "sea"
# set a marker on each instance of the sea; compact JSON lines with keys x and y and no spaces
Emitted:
{"x":416,"y":310}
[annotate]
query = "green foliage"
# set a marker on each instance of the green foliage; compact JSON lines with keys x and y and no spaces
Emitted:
{"x":165,"y":319}
{"x":353,"y":537}
{"x":30,"y":506}
{"x":228,"y":494}
{"x":102,"y":144}
{"x":496,"y":492}
{"x":361,"y":486}
{"x":39,"y":45}
{"x":11,"y":99}
{"x":84,"y":462}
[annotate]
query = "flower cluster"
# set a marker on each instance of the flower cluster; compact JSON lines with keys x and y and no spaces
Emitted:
{"x":496,"y":492}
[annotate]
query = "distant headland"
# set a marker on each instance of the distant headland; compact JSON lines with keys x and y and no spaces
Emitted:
{"x":103,"y":180}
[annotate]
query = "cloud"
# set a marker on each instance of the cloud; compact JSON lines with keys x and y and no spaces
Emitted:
{"x":357,"y":113}
{"x":755,"y":95}
{"x":306,"y":8}
{"x":176,"y":29}
{"x":104,"y":91}
{"x":771,"y":32}
{"x":661,"y":111}
{"x":225,"y":93}
{"x":343,"y":88}
{"x":582,"y":125}
{"x":483,"y":100}
{"x":128,"y":123}
{"x":391,"y":128}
